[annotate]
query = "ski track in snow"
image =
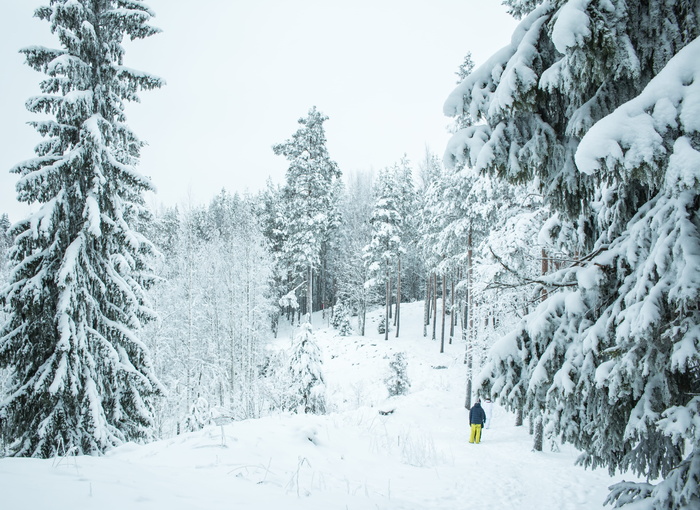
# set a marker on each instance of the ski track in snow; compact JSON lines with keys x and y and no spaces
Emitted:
{"x":418,"y":457}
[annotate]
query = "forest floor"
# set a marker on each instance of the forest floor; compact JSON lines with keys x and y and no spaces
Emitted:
{"x":418,"y":457}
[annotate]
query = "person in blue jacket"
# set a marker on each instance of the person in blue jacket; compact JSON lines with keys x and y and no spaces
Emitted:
{"x":477,"y":419}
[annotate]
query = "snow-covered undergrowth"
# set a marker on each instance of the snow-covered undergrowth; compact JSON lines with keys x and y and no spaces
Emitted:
{"x":416,"y":457}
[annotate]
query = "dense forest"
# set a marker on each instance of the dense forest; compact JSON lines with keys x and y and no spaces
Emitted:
{"x":557,"y":240}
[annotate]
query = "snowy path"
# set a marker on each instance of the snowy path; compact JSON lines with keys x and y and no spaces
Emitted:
{"x":353,"y":459}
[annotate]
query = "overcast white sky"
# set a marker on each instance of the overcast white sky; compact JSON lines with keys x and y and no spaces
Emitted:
{"x":240,"y":73}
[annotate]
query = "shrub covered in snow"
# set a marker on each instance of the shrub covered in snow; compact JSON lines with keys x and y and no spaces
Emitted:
{"x":308,"y":389}
{"x":381,"y":326}
{"x":341,"y":320}
{"x":199,"y":415}
{"x":397,"y":382}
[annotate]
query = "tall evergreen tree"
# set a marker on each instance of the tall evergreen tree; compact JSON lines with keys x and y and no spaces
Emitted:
{"x":82,"y":378}
{"x":307,"y":387}
{"x":383,"y":251}
{"x":310,"y":210}
{"x":612,"y":357}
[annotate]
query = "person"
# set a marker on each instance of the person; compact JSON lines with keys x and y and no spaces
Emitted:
{"x":477,"y":418}
{"x":488,"y":410}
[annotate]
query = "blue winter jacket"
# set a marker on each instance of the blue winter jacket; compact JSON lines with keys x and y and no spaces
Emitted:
{"x":477,"y":416}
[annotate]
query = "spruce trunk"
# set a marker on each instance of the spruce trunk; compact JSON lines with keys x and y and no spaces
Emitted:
{"x":434,"y":305}
{"x":387,"y":304}
{"x":309,"y":293}
{"x":452,"y":309}
{"x":398,"y":299}
{"x":444,"y":300}
{"x":426,"y":307}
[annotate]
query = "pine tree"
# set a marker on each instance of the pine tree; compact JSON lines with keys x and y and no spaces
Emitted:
{"x":82,"y":378}
{"x":384,"y":250}
{"x":611,"y":355}
{"x":406,"y":200}
{"x":309,"y":200}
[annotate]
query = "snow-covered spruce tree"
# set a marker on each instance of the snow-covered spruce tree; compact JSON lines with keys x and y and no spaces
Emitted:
{"x":406,"y":199}
{"x":341,"y":319}
{"x":645,"y":343}
{"x":309,"y":208}
{"x":599,"y":100}
{"x":397,"y":383}
{"x":82,"y":380}
{"x":383,"y":252}
{"x":345,"y":327}
{"x":308,"y":389}
{"x":268,"y":210}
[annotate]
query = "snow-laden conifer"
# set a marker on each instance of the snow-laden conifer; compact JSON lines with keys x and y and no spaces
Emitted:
{"x":309,"y":199}
{"x":308,"y":388}
{"x":397,"y":382}
{"x":383,"y":252}
{"x":82,"y":380}
{"x":341,"y":319}
{"x":598,"y":101}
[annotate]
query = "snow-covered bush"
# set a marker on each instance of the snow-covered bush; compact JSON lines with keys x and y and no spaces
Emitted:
{"x":308,"y":389}
{"x":345,"y":328}
{"x":199,"y":415}
{"x":381,"y":326}
{"x":277,"y":381}
{"x":339,"y":311}
{"x":341,"y":320}
{"x":397,"y":382}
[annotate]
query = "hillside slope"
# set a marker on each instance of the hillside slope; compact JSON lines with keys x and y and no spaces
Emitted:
{"x":416,"y":458}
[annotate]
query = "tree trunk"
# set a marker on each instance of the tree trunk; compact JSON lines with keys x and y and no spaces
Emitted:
{"x":426,"y":306}
{"x":545,"y":269}
{"x":444,"y":300}
{"x":452,"y":310}
{"x":539,"y":433}
{"x":469,"y":320}
{"x":434,"y":304}
{"x":468,"y":398}
{"x":470,"y":293}
{"x":387,"y":304}
{"x":398,"y":299}
{"x":309,"y":294}
{"x":362,"y":317}
{"x":465,"y":332}
{"x":322,"y":285}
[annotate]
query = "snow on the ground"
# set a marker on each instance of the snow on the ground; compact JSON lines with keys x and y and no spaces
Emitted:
{"x":418,"y":457}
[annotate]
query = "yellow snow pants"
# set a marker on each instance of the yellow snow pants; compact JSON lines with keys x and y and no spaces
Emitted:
{"x":475,"y":436}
